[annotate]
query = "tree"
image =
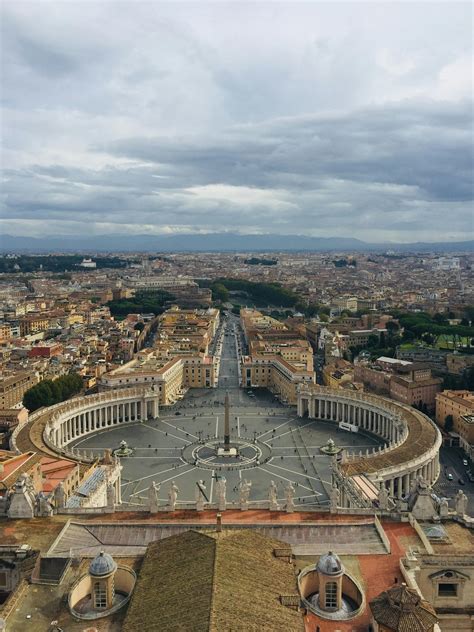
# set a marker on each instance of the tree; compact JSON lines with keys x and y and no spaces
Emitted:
{"x":392,"y":326}
{"x":372,"y":341}
{"x":49,"y":392}
{"x":448,"y":423}
{"x":220,"y":292}
{"x":140,"y":326}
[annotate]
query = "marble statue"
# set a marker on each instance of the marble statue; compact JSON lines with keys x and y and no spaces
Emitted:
{"x":44,"y":507}
{"x":221,"y":493}
{"x":60,"y":496}
{"x":172,"y":496}
{"x":383,"y":497}
{"x":460,"y":502}
{"x":153,"y":500}
{"x":290,"y":498}
{"x":245,"y":487}
{"x":110,"y":496}
{"x":443,"y":507}
{"x":22,"y":499}
{"x":335,"y":497}
{"x":273,"y":497}
{"x":199,"y":495}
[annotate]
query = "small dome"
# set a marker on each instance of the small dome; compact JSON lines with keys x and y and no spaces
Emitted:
{"x":103,"y":564}
{"x":329,"y":564}
{"x":436,"y":533}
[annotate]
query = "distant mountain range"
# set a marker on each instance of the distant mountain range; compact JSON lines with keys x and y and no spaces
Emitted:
{"x":214,"y":242}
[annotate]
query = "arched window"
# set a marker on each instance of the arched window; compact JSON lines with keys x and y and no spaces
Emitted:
{"x":331,"y":595}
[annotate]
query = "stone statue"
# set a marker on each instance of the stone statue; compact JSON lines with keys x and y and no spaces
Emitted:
{"x":59,"y":496}
{"x":44,"y":507}
{"x":245,"y":487}
{"x":22,"y":499}
{"x":290,"y":498}
{"x":273,"y":497}
{"x":172,"y":496}
{"x":421,"y":483}
{"x":199,"y":495}
{"x":153,"y":500}
{"x":460,"y":502}
{"x":110,"y":496}
{"x":335,"y":497}
{"x":107,"y":458}
{"x":383,"y":497}
{"x":443,"y":507}
{"x":221,"y":493}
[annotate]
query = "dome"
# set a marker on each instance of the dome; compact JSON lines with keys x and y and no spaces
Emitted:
{"x":436,"y":533}
{"x":103,"y":564}
{"x":329,"y":564}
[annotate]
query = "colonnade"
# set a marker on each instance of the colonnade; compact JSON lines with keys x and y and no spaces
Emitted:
{"x":375,"y":419}
{"x":93,"y":413}
{"x":388,"y":420}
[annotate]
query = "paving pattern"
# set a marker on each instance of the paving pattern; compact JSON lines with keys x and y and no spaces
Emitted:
{"x":291,"y":445}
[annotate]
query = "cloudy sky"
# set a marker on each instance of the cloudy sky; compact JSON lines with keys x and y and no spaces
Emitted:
{"x":326,"y":119}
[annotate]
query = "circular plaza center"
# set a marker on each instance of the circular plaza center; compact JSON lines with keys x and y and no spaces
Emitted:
{"x":186,"y":444}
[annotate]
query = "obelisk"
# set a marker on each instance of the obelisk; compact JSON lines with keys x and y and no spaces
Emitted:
{"x":226,"y":423}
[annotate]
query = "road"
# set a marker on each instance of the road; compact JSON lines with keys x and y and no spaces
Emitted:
{"x":451,"y":462}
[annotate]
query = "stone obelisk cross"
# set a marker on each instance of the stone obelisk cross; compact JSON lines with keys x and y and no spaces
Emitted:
{"x":226,"y":423}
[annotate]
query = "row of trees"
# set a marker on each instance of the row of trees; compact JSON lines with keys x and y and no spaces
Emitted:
{"x":49,"y":392}
{"x":423,"y":326}
{"x":261,"y":294}
{"x":54,"y":263}
{"x":142,"y":303}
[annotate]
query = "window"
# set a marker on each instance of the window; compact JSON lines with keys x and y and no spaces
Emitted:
{"x":331,"y":595}
{"x":447,"y":590}
{"x":100,"y":595}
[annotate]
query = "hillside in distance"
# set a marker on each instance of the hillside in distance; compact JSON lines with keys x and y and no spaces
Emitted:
{"x":215,"y":242}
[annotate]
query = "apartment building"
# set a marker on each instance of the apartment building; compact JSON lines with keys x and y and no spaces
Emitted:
{"x":459,"y":405}
{"x":278,"y":359}
{"x":13,"y":387}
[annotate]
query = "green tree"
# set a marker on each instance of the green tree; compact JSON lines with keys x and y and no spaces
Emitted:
{"x":49,"y":392}
{"x":373,"y":341}
{"x":220,"y":292}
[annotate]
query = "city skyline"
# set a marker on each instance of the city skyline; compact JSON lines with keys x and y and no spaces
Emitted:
{"x":351,"y":120}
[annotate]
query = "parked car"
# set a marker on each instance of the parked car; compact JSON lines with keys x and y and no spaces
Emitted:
{"x":465,"y":463}
{"x":449,"y":476}
{"x":461,"y":481}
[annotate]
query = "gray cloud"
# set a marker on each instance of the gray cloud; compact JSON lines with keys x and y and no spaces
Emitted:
{"x":260,"y":118}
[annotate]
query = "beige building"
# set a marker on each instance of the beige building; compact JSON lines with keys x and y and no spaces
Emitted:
{"x":460,"y":405}
{"x":13,"y":387}
{"x":276,"y":374}
{"x":179,"y":359}
{"x":278,"y":358}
